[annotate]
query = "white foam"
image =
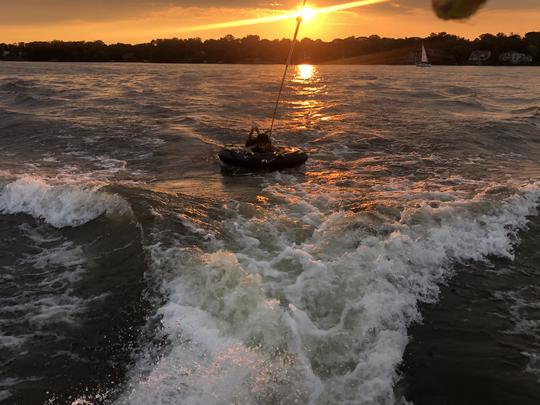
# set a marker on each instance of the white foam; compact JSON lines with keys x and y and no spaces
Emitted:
{"x":5,"y":394}
{"x":50,"y":270}
{"x":523,"y":305}
{"x":11,"y":342}
{"x":59,"y":268}
{"x":60,"y":205}
{"x":5,"y":173}
{"x":533,"y":366}
{"x":305,"y":304}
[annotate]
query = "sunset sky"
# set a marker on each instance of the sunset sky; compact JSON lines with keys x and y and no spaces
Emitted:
{"x":142,"y":20}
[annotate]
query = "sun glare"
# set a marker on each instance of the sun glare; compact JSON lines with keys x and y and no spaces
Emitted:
{"x":307,"y":13}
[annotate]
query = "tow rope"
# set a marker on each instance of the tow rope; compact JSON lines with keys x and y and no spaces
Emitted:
{"x":289,"y":59}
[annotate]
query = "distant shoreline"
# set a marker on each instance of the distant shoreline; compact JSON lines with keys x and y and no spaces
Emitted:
{"x":442,"y":49}
{"x":258,"y":64}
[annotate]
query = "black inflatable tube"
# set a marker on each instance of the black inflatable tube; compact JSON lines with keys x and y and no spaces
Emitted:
{"x":279,"y":158}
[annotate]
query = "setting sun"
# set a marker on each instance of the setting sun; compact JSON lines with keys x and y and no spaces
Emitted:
{"x":143,"y":21}
{"x":307,"y":13}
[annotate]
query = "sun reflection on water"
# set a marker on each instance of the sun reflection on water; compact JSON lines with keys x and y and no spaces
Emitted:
{"x":305,"y":72}
{"x":306,"y":99}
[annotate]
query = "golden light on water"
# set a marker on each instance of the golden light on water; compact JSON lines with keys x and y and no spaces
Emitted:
{"x":305,"y":100}
{"x":306,"y":13}
{"x":305,"y":72}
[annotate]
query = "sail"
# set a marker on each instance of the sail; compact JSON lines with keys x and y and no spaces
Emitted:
{"x":424,"y":55}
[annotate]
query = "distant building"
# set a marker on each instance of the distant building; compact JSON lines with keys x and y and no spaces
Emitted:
{"x":480,"y":57}
{"x":515,"y":58}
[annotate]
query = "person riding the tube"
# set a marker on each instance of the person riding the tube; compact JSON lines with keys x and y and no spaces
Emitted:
{"x":252,"y":138}
{"x":261,"y":143}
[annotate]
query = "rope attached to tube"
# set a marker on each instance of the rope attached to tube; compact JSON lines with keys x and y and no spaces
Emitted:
{"x":289,"y":60}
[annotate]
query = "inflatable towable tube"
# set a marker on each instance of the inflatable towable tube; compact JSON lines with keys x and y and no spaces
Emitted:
{"x":279,"y":158}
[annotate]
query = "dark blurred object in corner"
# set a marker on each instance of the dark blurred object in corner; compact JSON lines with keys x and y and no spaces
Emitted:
{"x":456,"y":9}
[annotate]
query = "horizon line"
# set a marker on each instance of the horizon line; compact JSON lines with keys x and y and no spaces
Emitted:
{"x":267,"y":39}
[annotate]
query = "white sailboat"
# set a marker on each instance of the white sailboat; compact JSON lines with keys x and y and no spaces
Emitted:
{"x":424,"y":62}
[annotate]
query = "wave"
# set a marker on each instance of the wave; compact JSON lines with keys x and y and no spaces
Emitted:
{"x":523,"y":305}
{"x":60,"y":205}
{"x":41,"y":284}
{"x":303,"y":304}
{"x":14,"y":85}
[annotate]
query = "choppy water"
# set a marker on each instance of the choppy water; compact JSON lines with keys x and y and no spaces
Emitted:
{"x":134,"y":270}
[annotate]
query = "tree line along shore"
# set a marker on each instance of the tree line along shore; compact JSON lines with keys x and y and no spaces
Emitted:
{"x":442,"y":49}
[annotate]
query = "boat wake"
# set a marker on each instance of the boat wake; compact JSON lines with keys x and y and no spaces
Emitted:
{"x":60,"y":205}
{"x":300,"y":303}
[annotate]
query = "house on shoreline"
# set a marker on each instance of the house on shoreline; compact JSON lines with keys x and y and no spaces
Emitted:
{"x":479,"y":57}
{"x":515,"y":58}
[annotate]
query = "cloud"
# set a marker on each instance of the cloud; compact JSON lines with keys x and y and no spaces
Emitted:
{"x":49,"y":11}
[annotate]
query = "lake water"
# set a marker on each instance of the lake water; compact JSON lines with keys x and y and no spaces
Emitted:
{"x":401,"y":263}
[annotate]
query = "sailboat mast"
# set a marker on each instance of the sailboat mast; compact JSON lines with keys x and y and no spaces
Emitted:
{"x":289,"y":60}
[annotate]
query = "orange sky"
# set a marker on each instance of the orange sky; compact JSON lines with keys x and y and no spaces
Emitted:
{"x":142,"y":20}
